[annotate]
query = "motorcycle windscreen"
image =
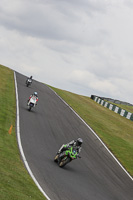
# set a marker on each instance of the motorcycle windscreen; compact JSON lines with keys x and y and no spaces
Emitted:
{"x":33,"y":100}
{"x":29,"y":80}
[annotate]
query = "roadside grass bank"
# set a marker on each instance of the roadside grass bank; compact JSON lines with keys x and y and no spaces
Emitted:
{"x":114,"y":130}
{"x":15,"y":182}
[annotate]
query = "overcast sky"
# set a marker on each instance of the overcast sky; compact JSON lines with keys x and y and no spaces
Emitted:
{"x":83,"y":46}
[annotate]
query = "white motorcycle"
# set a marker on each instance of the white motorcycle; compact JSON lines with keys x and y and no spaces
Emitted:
{"x":31,"y":103}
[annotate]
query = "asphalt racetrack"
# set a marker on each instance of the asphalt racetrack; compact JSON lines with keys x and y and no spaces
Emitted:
{"x":96,"y":176}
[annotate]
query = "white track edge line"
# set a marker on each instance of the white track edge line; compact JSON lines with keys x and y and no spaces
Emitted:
{"x":19,"y":142}
{"x":96,"y":136}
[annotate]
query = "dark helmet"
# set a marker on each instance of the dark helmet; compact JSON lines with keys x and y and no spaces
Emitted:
{"x":79,"y":141}
{"x":35,"y":93}
{"x":30,"y":77}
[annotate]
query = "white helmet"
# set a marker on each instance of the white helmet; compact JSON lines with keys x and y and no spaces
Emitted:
{"x":35,"y":93}
{"x":79,"y":141}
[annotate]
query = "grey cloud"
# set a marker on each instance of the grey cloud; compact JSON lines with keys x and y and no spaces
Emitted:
{"x":33,"y":22}
{"x":72,"y":5}
{"x":41,"y":19}
{"x":128,"y":3}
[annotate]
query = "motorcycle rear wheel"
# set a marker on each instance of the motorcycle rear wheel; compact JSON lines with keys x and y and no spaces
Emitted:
{"x":27,"y":84}
{"x":29,"y":108}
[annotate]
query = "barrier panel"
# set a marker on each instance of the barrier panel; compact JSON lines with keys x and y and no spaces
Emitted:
{"x":113,"y":107}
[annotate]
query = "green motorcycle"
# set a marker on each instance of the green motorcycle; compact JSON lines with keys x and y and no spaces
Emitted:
{"x":66,"y":156}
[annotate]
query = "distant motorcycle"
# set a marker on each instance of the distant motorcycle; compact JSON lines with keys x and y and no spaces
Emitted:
{"x":66,"y":156}
{"x":31,"y":103}
{"x":28,"y":82}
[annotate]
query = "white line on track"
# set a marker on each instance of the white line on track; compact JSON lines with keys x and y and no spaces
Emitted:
{"x":19,"y":142}
{"x":96,"y":136}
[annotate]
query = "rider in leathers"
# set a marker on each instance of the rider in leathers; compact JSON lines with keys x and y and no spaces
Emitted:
{"x":73,"y":143}
{"x":34,"y":95}
{"x":29,"y":78}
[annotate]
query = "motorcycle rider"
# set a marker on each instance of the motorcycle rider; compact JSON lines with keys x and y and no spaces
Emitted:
{"x":29,"y":78}
{"x":73,"y":143}
{"x":34,"y":95}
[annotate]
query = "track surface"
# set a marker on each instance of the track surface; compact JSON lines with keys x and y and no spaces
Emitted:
{"x":96,"y":176}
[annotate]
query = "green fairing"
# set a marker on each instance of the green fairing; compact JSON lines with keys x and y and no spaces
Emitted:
{"x":70,"y":151}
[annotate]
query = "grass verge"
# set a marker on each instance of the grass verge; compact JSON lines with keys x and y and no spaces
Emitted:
{"x":15,"y":182}
{"x":115,"y":131}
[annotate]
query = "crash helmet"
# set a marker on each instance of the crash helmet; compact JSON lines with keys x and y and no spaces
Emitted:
{"x":30,"y":77}
{"x":35,"y":93}
{"x":79,"y":142}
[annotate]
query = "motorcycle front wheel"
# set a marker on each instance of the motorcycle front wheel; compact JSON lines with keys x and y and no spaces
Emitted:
{"x":56,"y":158}
{"x":64,"y":161}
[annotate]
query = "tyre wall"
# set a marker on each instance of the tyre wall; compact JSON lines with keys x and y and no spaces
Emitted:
{"x":113,"y":107}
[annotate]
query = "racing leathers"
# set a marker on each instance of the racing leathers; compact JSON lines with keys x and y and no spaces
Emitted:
{"x":35,"y":96}
{"x":29,"y":79}
{"x":65,"y":147}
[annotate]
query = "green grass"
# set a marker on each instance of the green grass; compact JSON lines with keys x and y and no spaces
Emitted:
{"x":115,"y":131}
{"x":15,"y":182}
